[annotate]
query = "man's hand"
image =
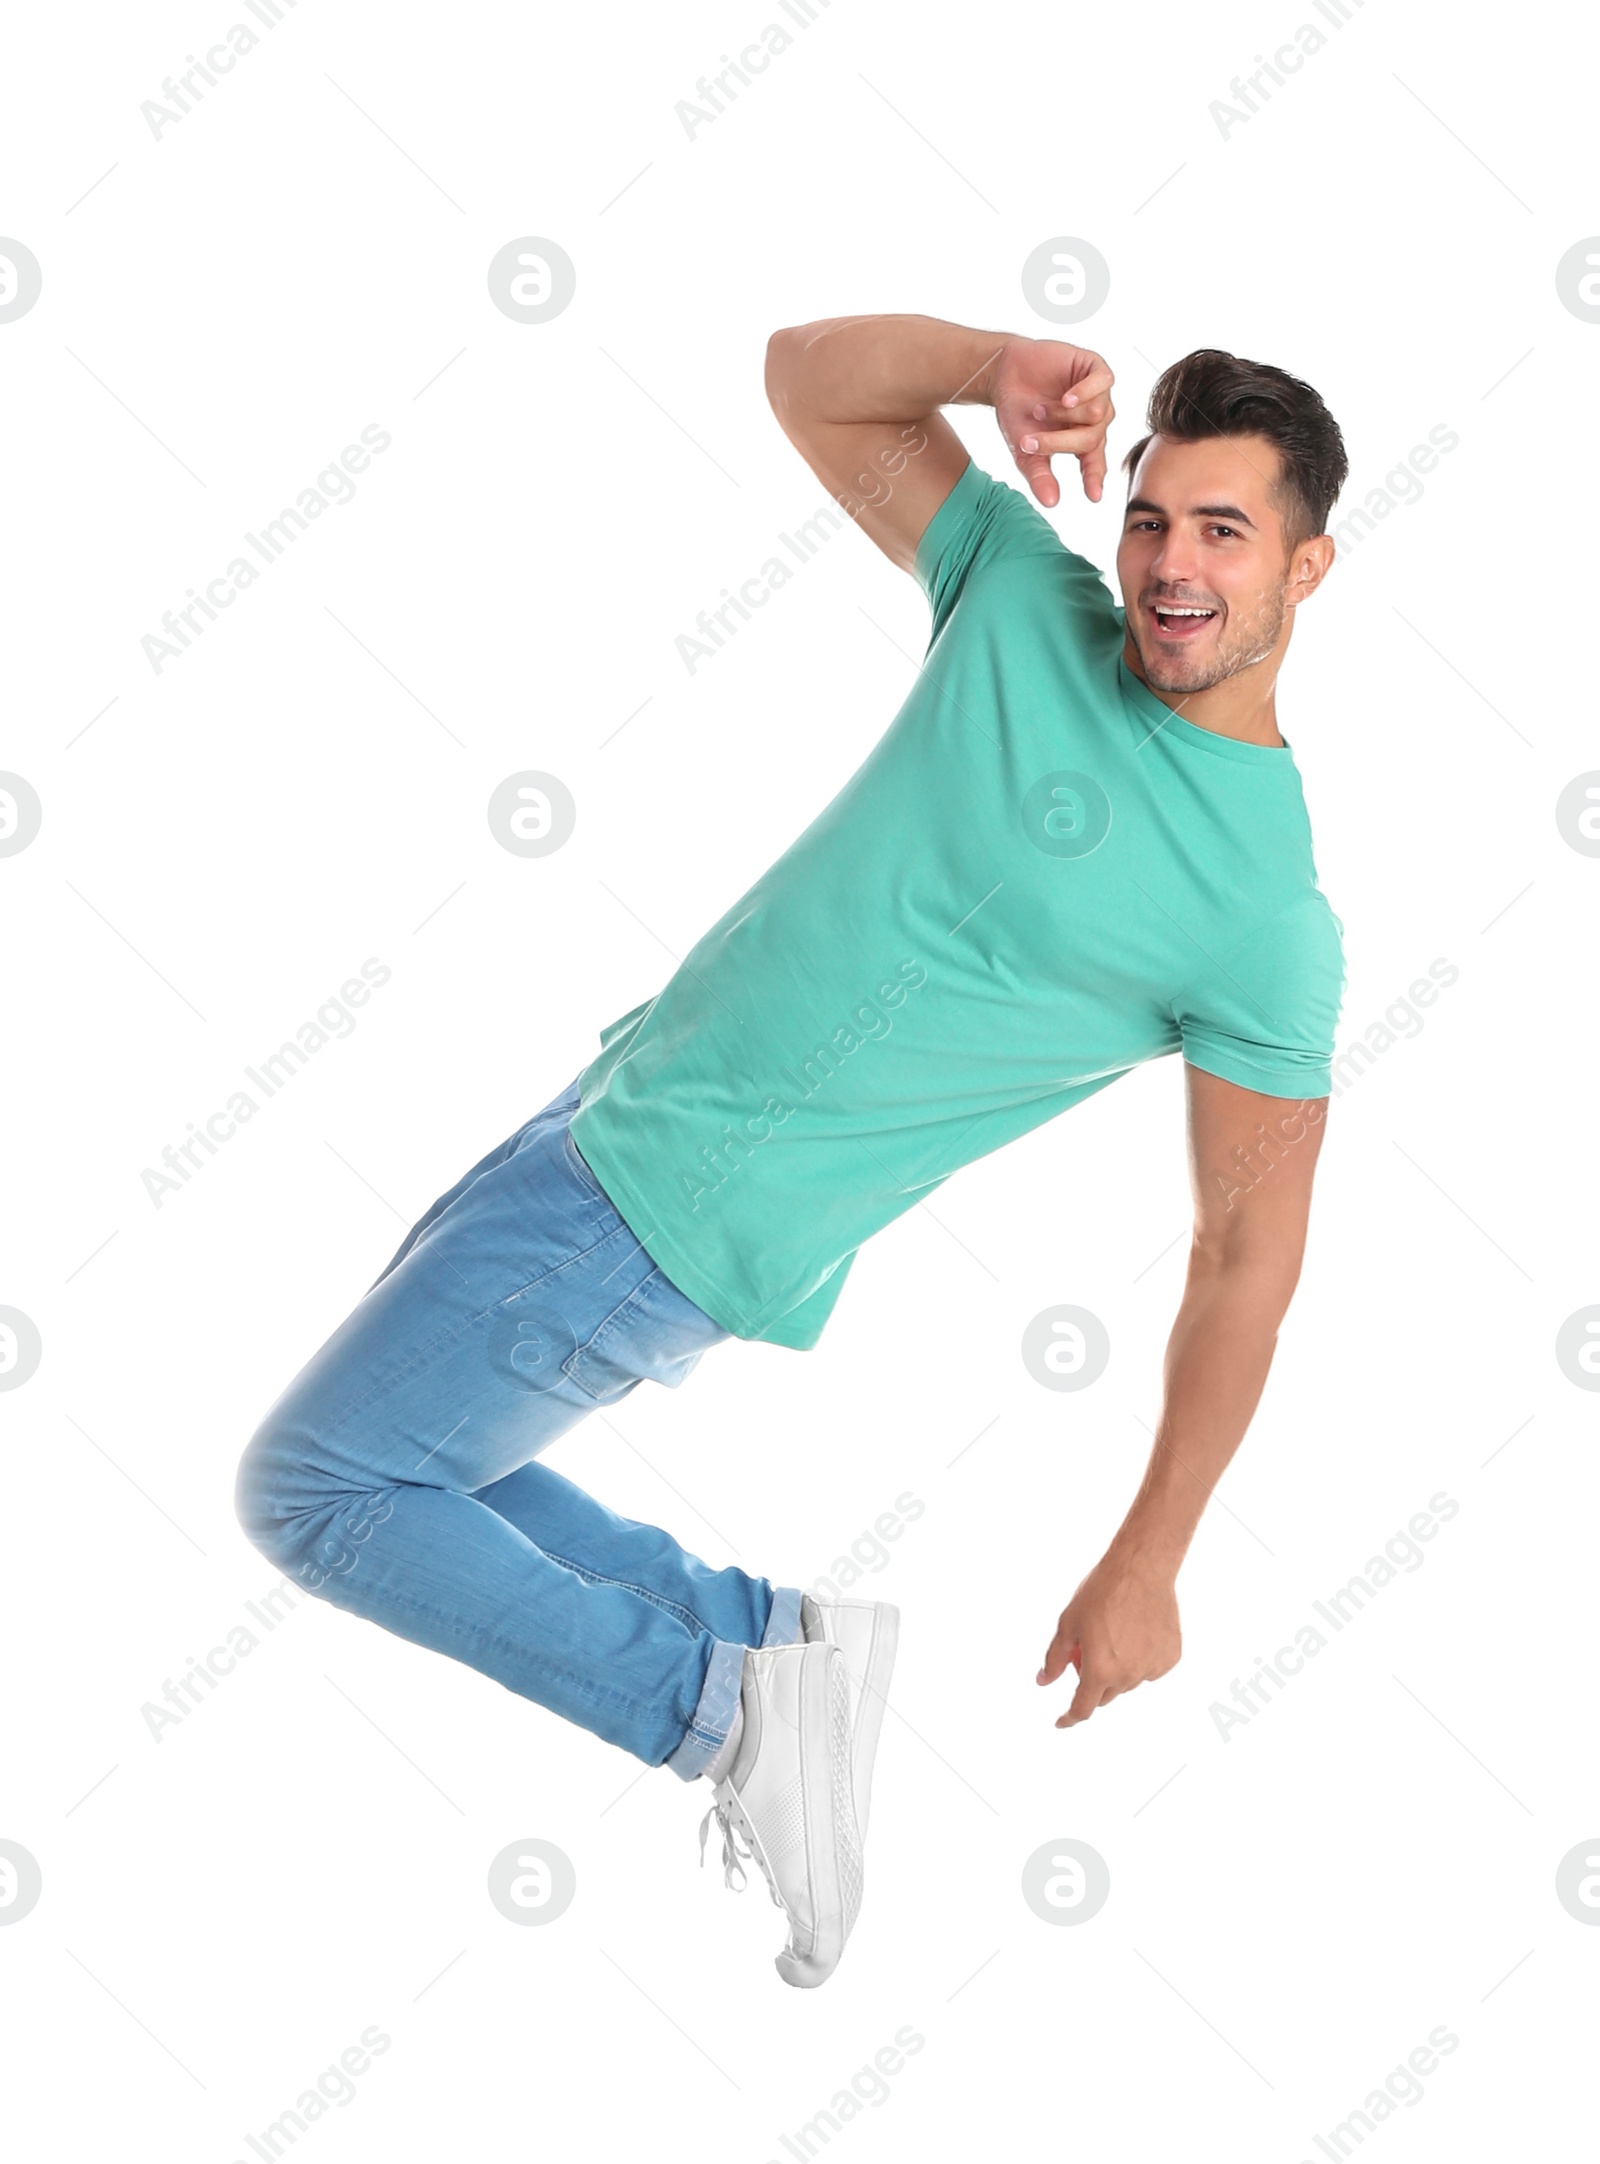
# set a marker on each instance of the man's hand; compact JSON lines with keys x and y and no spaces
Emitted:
{"x":861,"y":399}
{"x":1120,"y":1629}
{"x":1051,"y":398}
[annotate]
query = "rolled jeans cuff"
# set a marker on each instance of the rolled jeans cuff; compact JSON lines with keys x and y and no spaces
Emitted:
{"x":783,"y":1625}
{"x":713,"y":1714}
{"x":719,"y":1695}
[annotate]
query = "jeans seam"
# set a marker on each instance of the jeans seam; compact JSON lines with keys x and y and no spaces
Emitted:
{"x":583,"y":1169}
{"x":441,"y":1343}
{"x":685,"y":1616}
{"x":650,"y":1708}
{"x":632,"y":1307}
{"x":614,"y":1320}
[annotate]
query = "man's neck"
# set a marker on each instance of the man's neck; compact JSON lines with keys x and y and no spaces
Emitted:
{"x":1242,"y":706}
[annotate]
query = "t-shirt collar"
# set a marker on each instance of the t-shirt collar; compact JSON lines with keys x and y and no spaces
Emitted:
{"x":1155,"y":715}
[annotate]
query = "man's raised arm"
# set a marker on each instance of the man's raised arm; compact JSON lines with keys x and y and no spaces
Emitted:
{"x":859,"y":397}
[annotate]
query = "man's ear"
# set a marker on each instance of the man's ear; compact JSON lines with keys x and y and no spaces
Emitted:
{"x":1308,"y":567}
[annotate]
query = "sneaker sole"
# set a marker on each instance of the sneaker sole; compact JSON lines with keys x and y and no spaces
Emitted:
{"x":870,"y":1702}
{"x":833,"y":1850}
{"x":874,"y":1698}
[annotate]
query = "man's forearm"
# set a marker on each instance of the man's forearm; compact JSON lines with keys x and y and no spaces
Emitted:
{"x":883,"y":368}
{"x":1216,"y":1367}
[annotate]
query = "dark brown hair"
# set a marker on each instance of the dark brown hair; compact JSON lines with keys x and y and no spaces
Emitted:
{"x":1210,"y":393}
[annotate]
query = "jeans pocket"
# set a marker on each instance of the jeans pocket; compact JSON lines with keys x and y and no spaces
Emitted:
{"x":579,"y":1169}
{"x":607,"y":1367}
{"x":657,"y":1335}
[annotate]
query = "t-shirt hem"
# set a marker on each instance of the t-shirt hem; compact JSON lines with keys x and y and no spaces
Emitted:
{"x":1269,"y":1081}
{"x":678,"y":1264}
{"x":931,"y":544}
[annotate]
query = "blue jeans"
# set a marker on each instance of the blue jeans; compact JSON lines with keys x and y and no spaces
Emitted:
{"x":397,"y":1475}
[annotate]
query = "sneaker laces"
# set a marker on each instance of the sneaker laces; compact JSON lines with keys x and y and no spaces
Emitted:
{"x":736,"y":1851}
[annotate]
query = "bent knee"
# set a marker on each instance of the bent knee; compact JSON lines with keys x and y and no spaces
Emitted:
{"x":268,"y":1492}
{"x":306,"y":1520}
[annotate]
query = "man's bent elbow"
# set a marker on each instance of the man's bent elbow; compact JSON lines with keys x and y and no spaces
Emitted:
{"x":782,"y":350}
{"x":1269,"y":1273}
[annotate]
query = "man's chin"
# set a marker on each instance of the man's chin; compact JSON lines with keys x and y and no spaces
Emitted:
{"x":1176,"y":672}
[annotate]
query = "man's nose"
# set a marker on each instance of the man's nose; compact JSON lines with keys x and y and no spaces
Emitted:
{"x":1175,"y":562}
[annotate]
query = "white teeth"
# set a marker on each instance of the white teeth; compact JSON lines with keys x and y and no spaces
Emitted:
{"x":1185,"y":612}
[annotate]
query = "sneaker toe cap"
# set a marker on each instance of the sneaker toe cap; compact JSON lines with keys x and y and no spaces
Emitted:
{"x":804,"y":1971}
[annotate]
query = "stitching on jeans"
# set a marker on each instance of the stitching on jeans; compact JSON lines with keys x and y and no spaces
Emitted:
{"x":598,"y":1577}
{"x":462,"y":1628}
{"x":441,"y":1342}
{"x":593,"y":1348}
{"x":613,"y":1322}
{"x":626,"y":1311}
{"x":581,"y":1165}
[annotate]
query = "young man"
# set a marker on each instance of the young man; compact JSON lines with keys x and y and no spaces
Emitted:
{"x":1081,"y":845}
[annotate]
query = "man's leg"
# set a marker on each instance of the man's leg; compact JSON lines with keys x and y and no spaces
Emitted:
{"x":394,"y":1476}
{"x":574,"y":1528}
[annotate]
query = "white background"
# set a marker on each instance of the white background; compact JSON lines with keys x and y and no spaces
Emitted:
{"x":1292,"y":1910}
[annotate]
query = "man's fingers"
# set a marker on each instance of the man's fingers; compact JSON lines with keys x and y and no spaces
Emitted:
{"x":1070,"y":409}
{"x":1035,"y":470}
{"x":1090,"y":1693}
{"x":1063,"y":1648}
{"x":1094,"y":385}
{"x":1076,"y":439}
{"x":1038,"y":446}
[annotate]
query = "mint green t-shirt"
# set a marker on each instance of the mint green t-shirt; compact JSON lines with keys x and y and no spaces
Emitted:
{"x":1040,"y":878}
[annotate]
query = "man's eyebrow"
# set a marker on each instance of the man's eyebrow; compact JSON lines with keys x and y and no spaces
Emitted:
{"x":1201,"y":510}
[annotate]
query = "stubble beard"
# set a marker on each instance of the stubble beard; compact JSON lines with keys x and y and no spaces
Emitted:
{"x":1245,"y":642}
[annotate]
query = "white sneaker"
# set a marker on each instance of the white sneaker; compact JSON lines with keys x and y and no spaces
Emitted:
{"x":868,"y":1631}
{"x":786,"y":1801}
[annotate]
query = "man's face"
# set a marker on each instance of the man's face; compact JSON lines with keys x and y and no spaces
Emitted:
{"x":1203,"y":532}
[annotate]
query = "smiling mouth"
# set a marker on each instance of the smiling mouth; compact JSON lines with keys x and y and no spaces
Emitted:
{"x":1180,"y":621}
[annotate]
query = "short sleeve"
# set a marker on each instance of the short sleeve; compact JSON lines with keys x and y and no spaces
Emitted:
{"x":1265,"y":1014}
{"x":982,"y":521}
